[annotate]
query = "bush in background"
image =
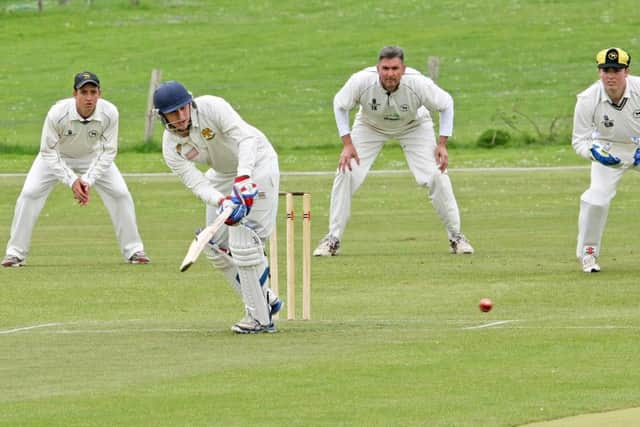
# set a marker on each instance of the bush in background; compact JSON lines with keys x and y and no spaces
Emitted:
{"x":491,"y":138}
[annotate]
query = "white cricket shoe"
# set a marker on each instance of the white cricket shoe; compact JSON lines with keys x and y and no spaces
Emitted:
{"x":248,"y":325}
{"x":12,"y":261}
{"x":139,"y":258}
{"x":590,"y":264}
{"x":328,"y":246}
{"x":460,"y":245}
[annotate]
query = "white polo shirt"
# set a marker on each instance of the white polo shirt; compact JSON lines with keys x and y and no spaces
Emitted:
{"x":596,"y":118}
{"x":393,"y":112}
{"x":66,"y":135}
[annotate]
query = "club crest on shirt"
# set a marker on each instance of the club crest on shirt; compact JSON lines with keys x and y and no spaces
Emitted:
{"x":207,"y":134}
{"x":374,"y":105}
{"x":404,"y":108}
{"x":636,"y":114}
{"x":607,"y":122}
{"x":93,"y":133}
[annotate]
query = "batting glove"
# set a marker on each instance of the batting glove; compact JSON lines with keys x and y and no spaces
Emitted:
{"x":601,"y":154}
{"x":236,"y":202}
{"x":247,"y":189}
{"x":636,"y":157}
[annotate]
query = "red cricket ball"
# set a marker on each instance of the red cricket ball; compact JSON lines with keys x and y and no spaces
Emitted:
{"x":485,"y":305}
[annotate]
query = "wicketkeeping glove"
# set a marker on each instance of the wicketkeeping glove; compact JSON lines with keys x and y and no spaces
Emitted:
{"x":247,"y":189}
{"x":237,"y":203}
{"x":601,"y":154}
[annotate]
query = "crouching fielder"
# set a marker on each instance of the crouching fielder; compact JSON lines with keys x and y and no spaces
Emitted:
{"x":392,"y":103}
{"x":606,"y":130}
{"x":243,"y":173}
{"x":78,"y":148}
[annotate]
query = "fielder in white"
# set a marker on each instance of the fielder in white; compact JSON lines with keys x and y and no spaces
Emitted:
{"x":394,"y":103}
{"x":244,"y":174}
{"x":78,"y":146}
{"x":606,"y":130}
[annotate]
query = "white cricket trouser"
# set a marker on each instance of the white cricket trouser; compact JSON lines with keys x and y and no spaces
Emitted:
{"x":247,"y":267}
{"x":40,"y":182}
{"x":594,"y":206}
{"x":419,"y":150}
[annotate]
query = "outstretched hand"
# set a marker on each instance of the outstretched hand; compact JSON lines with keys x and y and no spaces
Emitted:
{"x":80,"y":191}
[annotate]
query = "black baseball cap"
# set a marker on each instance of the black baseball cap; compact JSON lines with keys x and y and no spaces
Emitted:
{"x":84,"y":78}
{"x":613,"y":57}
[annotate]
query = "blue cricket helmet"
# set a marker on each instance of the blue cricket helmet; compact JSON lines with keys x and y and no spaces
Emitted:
{"x":171,"y":96}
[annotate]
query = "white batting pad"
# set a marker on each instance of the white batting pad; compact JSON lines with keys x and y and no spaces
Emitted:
{"x":223,"y":262}
{"x":248,"y":255}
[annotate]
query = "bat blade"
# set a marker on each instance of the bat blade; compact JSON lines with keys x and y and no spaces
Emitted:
{"x":200,"y":241}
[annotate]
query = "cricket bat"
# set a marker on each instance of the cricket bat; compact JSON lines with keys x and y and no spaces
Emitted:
{"x":201,"y":240}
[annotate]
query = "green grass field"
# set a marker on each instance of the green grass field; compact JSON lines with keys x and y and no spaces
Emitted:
{"x":396,"y":337}
{"x":280,"y":63}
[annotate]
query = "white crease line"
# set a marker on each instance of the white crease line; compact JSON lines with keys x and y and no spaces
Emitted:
{"x":126,"y":331}
{"x":28,"y":328}
{"x":490,"y":325}
{"x":580,"y":327}
{"x":352,"y":322}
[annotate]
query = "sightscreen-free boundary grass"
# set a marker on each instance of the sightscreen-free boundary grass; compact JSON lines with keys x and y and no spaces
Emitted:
{"x":388,"y":344}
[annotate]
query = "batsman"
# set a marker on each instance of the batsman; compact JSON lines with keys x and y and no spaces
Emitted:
{"x":243,"y":174}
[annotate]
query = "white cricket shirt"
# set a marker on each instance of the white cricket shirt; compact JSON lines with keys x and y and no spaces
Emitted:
{"x":219,"y":138}
{"x":596,"y":118}
{"x":393,"y":112}
{"x":66,"y":135}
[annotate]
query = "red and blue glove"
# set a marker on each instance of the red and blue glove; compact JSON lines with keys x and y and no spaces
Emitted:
{"x":236,"y":202}
{"x":246,"y":189}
